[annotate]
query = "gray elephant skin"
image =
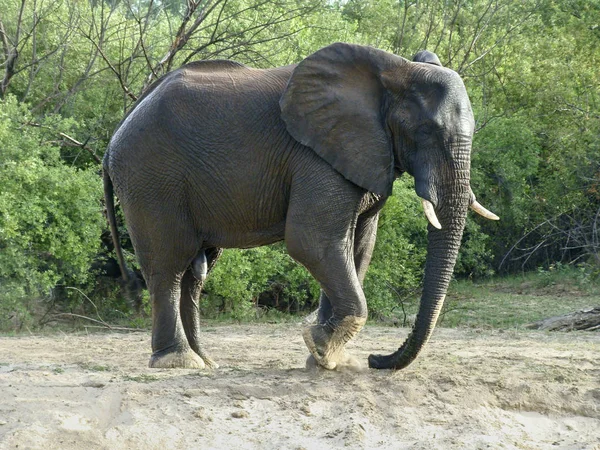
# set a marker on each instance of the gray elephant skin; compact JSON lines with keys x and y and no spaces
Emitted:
{"x":219,"y":155}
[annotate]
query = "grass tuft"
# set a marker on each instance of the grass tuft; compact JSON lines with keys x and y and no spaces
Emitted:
{"x":515,"y":301}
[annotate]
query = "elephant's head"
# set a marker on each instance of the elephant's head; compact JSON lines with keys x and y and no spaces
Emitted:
{"x":374,"y":115}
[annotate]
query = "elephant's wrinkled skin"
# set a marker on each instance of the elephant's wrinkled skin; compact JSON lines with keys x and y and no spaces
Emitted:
{"x":219,"y":155}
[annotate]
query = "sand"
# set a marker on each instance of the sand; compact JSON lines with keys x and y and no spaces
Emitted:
{"x":470,"y":389}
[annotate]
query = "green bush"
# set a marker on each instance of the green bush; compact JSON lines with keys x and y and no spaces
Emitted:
{"x":240,"y":276}
{"x":396,"y":269}
{"x":50,"y":217}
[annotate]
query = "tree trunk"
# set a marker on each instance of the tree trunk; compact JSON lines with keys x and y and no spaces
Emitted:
{"x":585,"y":319}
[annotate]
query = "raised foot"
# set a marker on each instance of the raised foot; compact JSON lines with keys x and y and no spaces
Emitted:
{"x":347,"y":363}
{"x":187,"y":359}
{"x":327,"y":345}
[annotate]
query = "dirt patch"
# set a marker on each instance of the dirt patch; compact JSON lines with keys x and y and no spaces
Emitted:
{"x":469,"y":389}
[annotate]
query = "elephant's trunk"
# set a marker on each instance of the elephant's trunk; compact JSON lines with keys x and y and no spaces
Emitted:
{"x":442,"y":250}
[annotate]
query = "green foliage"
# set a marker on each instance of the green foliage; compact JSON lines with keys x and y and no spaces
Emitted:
{"x":15,"y":308}
{"x":399,"y":256}
{"x":241,"y":276}
{"x":50,"y":216}
{"x":475,"y":256}
{"x":515,"y":301}
{"x":530,"y":67}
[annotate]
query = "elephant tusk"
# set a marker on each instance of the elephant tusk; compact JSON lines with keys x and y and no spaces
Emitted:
{"x":430,"y":213}
{"x":475,"y":206}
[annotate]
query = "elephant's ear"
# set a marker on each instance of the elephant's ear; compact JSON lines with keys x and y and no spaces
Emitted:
{"x":333,"y":103}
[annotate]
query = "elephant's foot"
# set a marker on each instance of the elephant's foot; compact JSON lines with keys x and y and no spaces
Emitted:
{"x":186,"y":359}
{"x":327,"y":345}
{"x":347,"y":363}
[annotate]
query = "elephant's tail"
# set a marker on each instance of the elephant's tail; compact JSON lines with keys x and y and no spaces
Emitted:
{"x":130,"y":280}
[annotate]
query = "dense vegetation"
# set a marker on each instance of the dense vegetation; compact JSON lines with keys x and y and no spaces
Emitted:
{"x":69,"y":69}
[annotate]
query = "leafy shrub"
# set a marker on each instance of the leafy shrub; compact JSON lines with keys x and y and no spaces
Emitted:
{"x":50,"y":218}
{"x":240,"y":276}
{"x":396,"y":269}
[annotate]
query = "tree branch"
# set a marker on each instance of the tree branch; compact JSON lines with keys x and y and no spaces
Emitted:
{"x":68,"y":140}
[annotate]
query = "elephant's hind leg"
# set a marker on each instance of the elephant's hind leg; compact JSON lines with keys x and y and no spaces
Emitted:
{"x":191,"y":289}
{"x":169,"y":342}
{"x":165,"y":252}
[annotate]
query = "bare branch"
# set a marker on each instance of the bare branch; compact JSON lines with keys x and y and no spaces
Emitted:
{"x":142,"y":28}
{"x":68,"y":140}
{"x":125,"y":88}
{"x":10,"y":47}
{"x":400,"y":39}
{"x":26,"y":35}
{"x":83,"y":145}
{"x":79,"y":316}
{"x":479,"y":29}
{"x":5,"y":41}
{"x":248,"y":35}
{"x":498,"y":41}
{"x":11,"y":51}
{"x":574,"y":231}
{"x":183,"y":35}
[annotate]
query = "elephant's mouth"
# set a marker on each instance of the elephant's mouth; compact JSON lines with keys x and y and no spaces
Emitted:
{"x":429,"y":210}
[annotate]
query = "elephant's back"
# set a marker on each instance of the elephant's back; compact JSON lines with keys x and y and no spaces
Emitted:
{"x":209,"y":135}
{"x":204,"y":110}
{"x":228,"y":98}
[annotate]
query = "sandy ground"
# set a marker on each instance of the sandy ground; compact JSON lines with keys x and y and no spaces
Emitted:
{"x":469,"y":390}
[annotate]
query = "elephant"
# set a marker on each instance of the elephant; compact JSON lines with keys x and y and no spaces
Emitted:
{"x":218,"y":155}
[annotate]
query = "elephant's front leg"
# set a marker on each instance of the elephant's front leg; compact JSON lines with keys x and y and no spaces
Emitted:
{"x":322,"y":239}
{"x":327,"y":339}
{"x":327,"y":344}
{"x":364,"y":243}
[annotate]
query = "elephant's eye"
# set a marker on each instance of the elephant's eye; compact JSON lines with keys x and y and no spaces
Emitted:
{"x":427,"y":131}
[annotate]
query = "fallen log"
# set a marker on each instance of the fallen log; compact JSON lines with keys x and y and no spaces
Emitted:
{"x":585,"y":319}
